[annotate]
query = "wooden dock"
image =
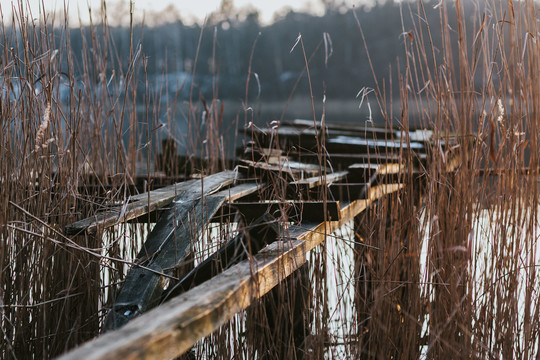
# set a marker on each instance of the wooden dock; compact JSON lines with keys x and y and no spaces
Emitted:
{"x":293,"y":186}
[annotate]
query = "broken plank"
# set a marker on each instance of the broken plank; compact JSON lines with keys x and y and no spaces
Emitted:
{"x":165,"y":248}
{"x":142,"y":204}
{"x":347,"y":159}
{"x":231,"y":194}
{"x":248,"y":242}
{"x":239,"y":191}
{"x":372,"y":131}
{"x":285,"y":169}
{"x":174,"y":327}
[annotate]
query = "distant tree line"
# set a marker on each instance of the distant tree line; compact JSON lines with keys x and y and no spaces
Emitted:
{"x":218,"y":52}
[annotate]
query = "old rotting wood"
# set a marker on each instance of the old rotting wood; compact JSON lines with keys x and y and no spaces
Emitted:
{"x":351,"y":141}
{"x":315,"y":181}
{"x":350,"y":144}
{"x":142,"y":204}
{"x":289,"y":170}
{"x":248,"y":242}
{"x":377,"y":132}
{"x":232,"y":193}
{"x":173,"y":328}
{"x":165,"y":248}
{"x":313,"y":188}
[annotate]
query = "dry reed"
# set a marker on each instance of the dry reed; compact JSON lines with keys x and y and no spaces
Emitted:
{"x":445,"y":269}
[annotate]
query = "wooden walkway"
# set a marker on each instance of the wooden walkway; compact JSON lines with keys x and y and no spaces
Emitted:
{"x":293,"y":186}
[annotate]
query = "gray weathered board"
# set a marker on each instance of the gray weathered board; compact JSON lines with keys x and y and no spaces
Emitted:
{"x":145,"y":203}
{"x":167,"y":245}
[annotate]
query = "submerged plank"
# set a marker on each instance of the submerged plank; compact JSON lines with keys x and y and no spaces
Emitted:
{"x":248,"y":242}
{"x":173,"y":328}
{"x":165,"y":248}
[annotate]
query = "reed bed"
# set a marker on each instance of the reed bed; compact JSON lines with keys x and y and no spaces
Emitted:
{"x":475,"y":240}
{"x":445,"y":269}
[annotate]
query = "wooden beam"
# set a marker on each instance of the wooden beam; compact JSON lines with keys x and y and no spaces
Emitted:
{"x":231,"y":194}
{"x":290,"y":170}
{"x":165,"y":249}
{"x":142,"y":204}
{"x":316,"y":181}
{"x":174,"y":327}
{"x":349,"y":144}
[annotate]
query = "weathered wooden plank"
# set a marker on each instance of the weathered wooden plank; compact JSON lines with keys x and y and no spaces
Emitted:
{"x":142,"y":204}
{"x":349,"y":144}
{"x":315,"y":181}
{"x":348,"y":159}
{"x":173,"y":328}
{"x":293,"y":130}
{"x":239,"y":191}
{"x":165,"y":248}
{"x":360,"y":140}
{"x":248,"y":242}
{"x":286,"y":169}
{"x":231,"y":194}
{"x":377,"y":131}
{"x":285,"y":164}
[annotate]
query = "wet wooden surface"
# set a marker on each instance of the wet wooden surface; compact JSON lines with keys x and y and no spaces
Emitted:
{"x":142,"y":204}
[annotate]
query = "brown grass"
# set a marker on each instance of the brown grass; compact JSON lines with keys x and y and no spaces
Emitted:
{"x":445,"y":269}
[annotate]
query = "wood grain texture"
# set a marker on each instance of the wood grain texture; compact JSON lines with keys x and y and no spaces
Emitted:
{"x":166,"y":247}
{"x":144,"y":203}
{"x":315,"y":181}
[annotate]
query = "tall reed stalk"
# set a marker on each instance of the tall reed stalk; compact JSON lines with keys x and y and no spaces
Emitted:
{"x":63,"y":154}
{"x":476,"y":236}
{"x":447,"y":268}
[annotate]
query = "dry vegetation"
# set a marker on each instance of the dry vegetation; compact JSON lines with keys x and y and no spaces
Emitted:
{"x":452,"y":275}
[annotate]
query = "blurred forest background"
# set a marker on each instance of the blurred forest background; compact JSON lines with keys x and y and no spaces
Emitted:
{"x":217,"y":55}
{"x":235,"y":68}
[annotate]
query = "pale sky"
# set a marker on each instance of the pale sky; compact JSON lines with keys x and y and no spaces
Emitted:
{"x":187,"y":8}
